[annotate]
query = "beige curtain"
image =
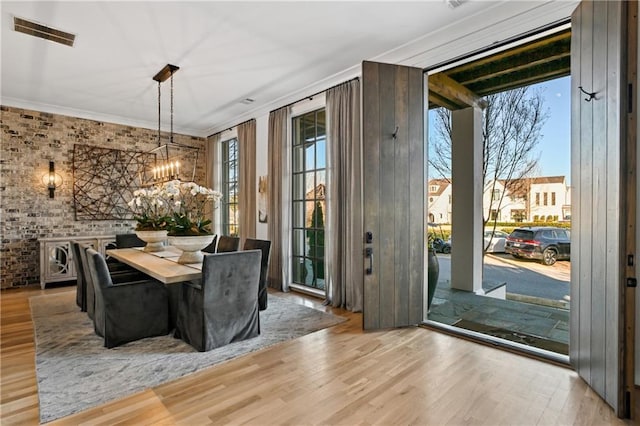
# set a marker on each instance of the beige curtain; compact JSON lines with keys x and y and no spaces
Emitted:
{"x":211,"y":180}
{"x":247,"y":180}
{"x":344,"y":247}
{"x":279,"y":195}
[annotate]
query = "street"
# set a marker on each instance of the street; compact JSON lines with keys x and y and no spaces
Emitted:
{"x":524,"y":277}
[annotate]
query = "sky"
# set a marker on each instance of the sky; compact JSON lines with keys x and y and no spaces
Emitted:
{"x":554,"y":148}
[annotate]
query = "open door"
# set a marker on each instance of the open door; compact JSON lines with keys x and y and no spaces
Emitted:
{"x":394,"y":204}
{"x":603,"y":212}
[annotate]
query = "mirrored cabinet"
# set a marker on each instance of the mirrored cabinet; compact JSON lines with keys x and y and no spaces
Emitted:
{"x":56,"y":256}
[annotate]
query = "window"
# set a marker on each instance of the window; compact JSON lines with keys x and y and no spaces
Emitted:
{"x":496,"y":194}
{"x":433,"y":188}
{"x":431,"y":199}
{"x":553,"y":198}
{"x":229,"y":204}
{"x":545,"y":198}
{"x":494,"y":214}
{"x":537,"y":198}
{"x":308,"y":198}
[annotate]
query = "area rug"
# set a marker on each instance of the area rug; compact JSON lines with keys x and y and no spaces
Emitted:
{"x":76,"y":372}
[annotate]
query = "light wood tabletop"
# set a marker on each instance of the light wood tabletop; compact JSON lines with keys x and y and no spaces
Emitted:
{"x":162,"y":265}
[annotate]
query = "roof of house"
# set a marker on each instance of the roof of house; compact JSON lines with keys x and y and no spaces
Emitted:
{"x":442,"y":185}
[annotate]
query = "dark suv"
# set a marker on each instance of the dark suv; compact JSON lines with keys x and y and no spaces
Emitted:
{"x":543,"y":243}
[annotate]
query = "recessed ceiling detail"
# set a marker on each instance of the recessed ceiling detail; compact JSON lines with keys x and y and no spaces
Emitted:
{"x":42,"y":31}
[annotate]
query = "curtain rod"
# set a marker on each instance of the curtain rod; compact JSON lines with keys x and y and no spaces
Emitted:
{"x":315,"y":94}
{"x":230,"y":128}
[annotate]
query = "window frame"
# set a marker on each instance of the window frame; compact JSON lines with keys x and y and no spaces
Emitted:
{"x":302,"y":228}
{"x":227,"y":227}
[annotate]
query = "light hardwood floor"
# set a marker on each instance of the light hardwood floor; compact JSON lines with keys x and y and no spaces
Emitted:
{"x":339,"y":375}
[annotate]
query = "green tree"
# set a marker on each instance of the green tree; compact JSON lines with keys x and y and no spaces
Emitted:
{"x":316,"y":242}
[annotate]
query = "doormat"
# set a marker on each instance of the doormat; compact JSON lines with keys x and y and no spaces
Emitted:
{"x":515,"y":336}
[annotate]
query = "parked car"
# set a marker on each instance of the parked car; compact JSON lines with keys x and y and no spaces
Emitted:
{"x":437,"y":235}
{"x":494,"y":241}
{"x":544,"y":243}
{"x":441,"y":246}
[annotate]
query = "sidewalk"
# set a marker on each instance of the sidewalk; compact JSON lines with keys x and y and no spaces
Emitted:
{"x":542,"y":326}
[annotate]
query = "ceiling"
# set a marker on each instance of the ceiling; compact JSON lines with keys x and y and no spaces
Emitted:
{"x":533,"y":62}
{"x":227,"y":52}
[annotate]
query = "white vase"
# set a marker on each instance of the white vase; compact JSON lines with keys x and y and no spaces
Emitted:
{"x":154,"y":239}
{"x":190,"y":246}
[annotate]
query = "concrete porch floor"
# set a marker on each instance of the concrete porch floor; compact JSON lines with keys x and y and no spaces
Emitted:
{"x":541,"y":326}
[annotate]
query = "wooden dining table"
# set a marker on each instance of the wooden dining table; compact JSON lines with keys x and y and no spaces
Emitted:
{"x":162,"y":266}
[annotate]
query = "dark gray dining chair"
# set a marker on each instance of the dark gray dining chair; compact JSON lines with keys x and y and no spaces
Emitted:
{"x":124,"y":241}
{"x":126,"y":311}
{"x":117,"y":275}
{"x":265,"y":247}
{"x":128,"y":241}
{"x":223,"y":306}
{"x":227,"y":244}
{"x":81,"y":282}
{"x":211,"y":248}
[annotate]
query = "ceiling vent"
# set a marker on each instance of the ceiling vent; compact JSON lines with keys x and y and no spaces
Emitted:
{"x":454,"y":3}
{"x":42,"y":31}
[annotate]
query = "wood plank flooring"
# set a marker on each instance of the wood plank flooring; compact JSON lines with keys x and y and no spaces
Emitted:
{"x":339,"y":375}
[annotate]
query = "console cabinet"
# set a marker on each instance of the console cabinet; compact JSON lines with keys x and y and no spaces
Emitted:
{"x":56,"y":256}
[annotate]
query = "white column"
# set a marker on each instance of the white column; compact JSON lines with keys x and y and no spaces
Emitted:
{"x":467,"y":229}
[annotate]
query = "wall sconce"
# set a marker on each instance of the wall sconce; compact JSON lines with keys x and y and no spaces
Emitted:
{"x":51,"y":180}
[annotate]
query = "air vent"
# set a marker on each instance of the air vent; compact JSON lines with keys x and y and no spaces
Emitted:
{"x":454,"y":3}
{"x":42,"y":31}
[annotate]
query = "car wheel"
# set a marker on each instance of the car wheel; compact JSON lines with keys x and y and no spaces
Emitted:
{"x":446,"y":250}
{"x":549,"y":257}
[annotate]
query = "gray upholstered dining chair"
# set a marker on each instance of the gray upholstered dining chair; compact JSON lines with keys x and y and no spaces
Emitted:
{"x":227,"y":244}
{"x":124,"y":241}
{"x":128,"y":240}
{"x":126,"y":311}
{"x":265,"y":247}
{"x":81,"y":282}
{"x":223,"y":306}
{"x":211,"y":248}
{"x":118,"y":275}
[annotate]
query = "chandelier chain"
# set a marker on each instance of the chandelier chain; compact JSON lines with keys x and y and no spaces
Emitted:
{"x":171,"y":108}
{"x":158,"y":113}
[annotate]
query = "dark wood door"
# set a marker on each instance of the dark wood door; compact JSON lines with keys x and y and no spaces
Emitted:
{"x":394,"y":191}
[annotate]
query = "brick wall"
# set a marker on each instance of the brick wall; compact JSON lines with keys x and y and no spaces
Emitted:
{"x":30,"y":139}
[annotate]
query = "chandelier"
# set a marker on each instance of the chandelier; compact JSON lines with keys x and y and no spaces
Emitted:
{"x":167,"y":168}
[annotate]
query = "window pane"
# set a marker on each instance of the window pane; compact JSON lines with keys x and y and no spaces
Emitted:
{"x":298,"y":186}
{"x":310,"y":127}
{"x":320,"y":116}
{"x":298,"y":132}
{"x":321,"y":149}
{"x":298,"y":269}
{"x":321,"y":179}
{"x":298,"y":214}
{"x":308,"y":211}
{"x":298,"y":159}
{"x":309,"y":183}
{"x":299,"y":242}
{"x":310,"y":157}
